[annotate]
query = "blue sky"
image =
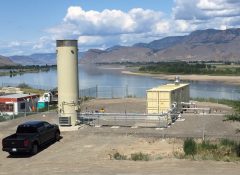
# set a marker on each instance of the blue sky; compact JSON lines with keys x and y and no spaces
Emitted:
{"x":32,"y":26}
{"x":27,"y":19}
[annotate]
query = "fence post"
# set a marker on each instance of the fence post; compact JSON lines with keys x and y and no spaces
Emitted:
{"x":96,"y":91}
{"x":112,"y":91}
{"x":126,"y":91}
{"x":98,"y":119}
{"x":48,"y":106}
{"x":203,"y":130}
{"x":25,"y":110}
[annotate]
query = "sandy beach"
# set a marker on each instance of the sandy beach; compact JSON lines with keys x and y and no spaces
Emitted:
{"x":235,"y":80}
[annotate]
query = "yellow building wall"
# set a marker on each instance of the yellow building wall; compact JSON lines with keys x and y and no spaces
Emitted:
{"x":161,"y":101}
{"x":157,"y":102}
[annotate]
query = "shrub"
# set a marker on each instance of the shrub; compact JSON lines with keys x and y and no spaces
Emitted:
{"x":206,"y":145}
{"x":190,"y":147}
{"x":23,"y":85}
{"x":140,"y":157}
{"x":227,"y":142}
{"x":237,"y":149}
{"x":233,"y":117}
{"x":119,"y":156}
{"x":178,"y":155}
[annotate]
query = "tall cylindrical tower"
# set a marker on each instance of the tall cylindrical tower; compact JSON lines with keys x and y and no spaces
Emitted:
{"x":68,"y":85}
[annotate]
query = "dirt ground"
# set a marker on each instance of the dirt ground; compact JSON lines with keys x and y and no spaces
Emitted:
{"x":138,"y":105}
{"x":89,"y":150}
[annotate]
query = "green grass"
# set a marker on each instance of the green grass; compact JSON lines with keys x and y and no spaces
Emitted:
{"x":232,"y":117}
{"x":135,"y":157}
{"x":140,"y":157}
{"x":223,"y":150}
{"x":118,"y":156}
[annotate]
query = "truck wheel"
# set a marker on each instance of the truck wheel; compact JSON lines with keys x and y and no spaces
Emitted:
{"x":34,"y":149}
{"x":57,"y":136}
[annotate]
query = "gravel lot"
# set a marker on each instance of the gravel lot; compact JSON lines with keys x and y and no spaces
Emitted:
{"x":88,"y":150}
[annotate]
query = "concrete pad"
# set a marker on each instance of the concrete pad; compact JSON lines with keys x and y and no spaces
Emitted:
{"x":88,"y":146}
{"x":180,"y":120}
{"x":68,"y":128}
{"x":159,"y":128}
{"x":134,"y":127}
{"x":98,"y":126}
{"x":115,"y":127}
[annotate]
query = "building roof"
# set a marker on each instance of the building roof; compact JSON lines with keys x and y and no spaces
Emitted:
{"x":168,"y":87}
{"x":17,"y":97}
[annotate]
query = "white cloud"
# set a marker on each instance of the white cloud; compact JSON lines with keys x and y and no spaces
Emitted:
{"x":43,"y":45}
{"x":109,"y":27}
{"x":114,"y":27}
{"x":210,"y":5}
{"x":204,"y":14}
{"x":94,"y":22}
{"x":205,"y":9}
{"x":14,"y":44}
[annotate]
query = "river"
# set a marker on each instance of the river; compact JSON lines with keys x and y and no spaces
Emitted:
{"x":111,"y":83}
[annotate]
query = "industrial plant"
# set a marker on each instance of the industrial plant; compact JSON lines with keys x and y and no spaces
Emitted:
{"x":164,"y":103}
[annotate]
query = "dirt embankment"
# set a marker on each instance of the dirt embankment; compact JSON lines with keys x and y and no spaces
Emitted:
{"x":235,"y":80}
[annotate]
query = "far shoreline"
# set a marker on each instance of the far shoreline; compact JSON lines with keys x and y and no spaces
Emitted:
{"x":231,"y":80}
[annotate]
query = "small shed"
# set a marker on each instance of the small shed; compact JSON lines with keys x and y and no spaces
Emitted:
{"x":18,"y":103}
{"x":167,"y":97}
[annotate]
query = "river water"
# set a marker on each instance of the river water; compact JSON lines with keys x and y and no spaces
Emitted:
{"x":111,"y":83}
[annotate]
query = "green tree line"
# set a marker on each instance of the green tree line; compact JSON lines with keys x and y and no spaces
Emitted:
{"x":188,"y":68}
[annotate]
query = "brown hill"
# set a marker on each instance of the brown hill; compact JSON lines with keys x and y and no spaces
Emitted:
{"x":123,"y":54}
{"x":5,"y":61}
{"x":206,"y":45}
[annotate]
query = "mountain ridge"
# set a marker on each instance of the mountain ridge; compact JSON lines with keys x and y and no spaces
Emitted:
{"x":5,"y":61}
{"x":199,"y":45}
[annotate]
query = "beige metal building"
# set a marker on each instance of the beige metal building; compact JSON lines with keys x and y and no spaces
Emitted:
{"x":167,"y":98}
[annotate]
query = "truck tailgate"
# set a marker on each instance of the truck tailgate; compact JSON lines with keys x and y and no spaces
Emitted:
{"x":14,"y":141}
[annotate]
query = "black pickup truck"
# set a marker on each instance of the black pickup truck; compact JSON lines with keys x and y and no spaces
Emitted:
{"x":30,"y":136}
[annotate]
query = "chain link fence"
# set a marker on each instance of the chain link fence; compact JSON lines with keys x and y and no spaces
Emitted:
{"x":189,"y":126}
{"x":138,"y":92}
